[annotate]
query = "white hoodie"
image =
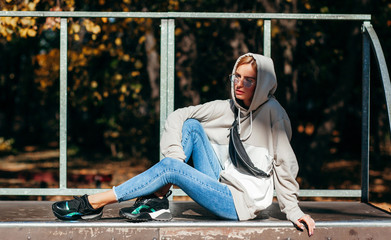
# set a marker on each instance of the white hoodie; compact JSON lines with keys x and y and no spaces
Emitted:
{"x":266,"y":130}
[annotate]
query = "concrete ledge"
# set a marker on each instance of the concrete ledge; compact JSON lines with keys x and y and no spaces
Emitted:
{"x":335,"y":220}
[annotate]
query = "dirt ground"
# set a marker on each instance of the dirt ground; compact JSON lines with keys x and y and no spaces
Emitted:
{"x":40,"y":169}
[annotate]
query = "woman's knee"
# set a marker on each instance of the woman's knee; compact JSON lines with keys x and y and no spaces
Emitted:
{"x":191,"y":124}
{"x":170,"y":162}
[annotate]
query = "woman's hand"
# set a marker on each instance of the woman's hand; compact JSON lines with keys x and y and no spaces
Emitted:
{"x":306,"y":221}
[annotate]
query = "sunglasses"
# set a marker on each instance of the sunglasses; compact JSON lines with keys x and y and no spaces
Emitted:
{"x":247,"y":82}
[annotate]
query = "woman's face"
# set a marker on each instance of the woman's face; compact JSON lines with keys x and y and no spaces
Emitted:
{"x":243,"y":93}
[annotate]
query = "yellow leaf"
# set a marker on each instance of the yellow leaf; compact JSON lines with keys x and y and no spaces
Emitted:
{"x":141,"y":39}
{"x":324,"y":10}
{"x":138,"y":64}
{"x":178,"y":31}
{"x":96,"y":29}
{"x":102,"y":47}
{"x":76,"y":37}
{"x":235,"y":24}
{"x":118,"y":41}
{"x":98,"y":96}
{"x":26,"y":21}
{"x":23,"y":32}
{"x":3,"y":32}
{"x":114,"y":134}
{"x":123,"y":88}
{"x":94,"y":84}
{"x":14,"y":21}
{"x":300,"y":128}
{"x":31,"y":6}
{"x":76,"y":28}
{"x":121,"y":98}
{"x":31,"y":33}
{"x":104,"y":20}
{"x":126,"y":58}
{"x":8,"y":1}
{"x":309,"y":128}
{"x":135,"y":73}
{"x":118,"y":77}
{"x":89,"y":25}
{"x":43,"y":84}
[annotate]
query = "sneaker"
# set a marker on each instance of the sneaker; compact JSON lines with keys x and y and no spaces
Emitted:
{"x":148,"y":208}
{"x":78,"y":208}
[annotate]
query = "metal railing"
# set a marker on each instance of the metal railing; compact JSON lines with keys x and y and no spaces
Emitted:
{"x":167,"y":73}
{"x":370,"y":38}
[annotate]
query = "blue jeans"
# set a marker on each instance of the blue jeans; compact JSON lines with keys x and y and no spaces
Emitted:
{"x":200,"y":183}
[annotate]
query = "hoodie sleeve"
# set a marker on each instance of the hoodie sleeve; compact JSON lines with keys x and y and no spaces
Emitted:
{"x":171,"y":141}
{"x":285,"y":171}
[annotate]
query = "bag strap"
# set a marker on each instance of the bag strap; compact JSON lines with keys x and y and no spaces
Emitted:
{"x":238,"y":154}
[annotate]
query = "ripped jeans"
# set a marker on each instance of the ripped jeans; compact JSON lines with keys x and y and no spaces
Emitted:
{"x":200,"y":183}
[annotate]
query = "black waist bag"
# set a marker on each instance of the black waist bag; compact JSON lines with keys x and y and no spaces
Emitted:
{"x":239,"y":156}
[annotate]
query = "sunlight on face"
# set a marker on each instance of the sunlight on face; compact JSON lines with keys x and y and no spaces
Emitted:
{"x":243,"y":93}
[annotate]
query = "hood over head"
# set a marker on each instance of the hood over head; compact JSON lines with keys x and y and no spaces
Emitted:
{"x":266,"y":82}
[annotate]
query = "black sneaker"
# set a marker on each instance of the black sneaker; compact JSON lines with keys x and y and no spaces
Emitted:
{"x":148,"y":208}
{"x":78,"y":208}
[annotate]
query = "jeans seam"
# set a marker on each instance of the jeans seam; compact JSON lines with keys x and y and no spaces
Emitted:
{"x":173,"y":170}
{"x":193,"y":132}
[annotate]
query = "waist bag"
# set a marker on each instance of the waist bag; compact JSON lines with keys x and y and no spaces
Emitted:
{"x":239,"y":156}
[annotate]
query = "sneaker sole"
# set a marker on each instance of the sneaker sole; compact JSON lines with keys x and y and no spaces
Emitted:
{"x":163,"y":215}
{"x":92,"y":217}
{"x":78,"y":217}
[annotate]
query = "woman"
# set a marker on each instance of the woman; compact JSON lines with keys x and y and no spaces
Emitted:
{"x":215,"y":183}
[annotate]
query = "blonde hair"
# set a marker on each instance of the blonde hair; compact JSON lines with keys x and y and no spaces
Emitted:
{"x":248,"y":60}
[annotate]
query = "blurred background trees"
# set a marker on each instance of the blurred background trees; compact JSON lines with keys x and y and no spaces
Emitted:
{"x":113,"y":78}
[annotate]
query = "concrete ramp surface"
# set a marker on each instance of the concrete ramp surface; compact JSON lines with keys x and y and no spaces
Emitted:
{"x":334,"y":220}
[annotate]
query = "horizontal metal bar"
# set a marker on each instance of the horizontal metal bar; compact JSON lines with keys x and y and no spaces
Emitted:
{"x":49,"y":191}
{"x":221,"y":15}
{"x":270,"y":16}
{"x":176,"y":192}
{"x":329,"y":193}
{"x":187,"y":224}
{"x":306,"y":193}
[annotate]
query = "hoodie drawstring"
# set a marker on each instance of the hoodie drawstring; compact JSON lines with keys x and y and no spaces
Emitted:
{"x":251,"y":125}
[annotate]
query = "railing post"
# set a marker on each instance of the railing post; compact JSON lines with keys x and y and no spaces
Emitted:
{"x":63,"y":102}
{"x":365,"y":117}
{"x":381,"y":64}
{"x":167,"y":74}
{"x":167,"y":70}
{"x":267,"y":38}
